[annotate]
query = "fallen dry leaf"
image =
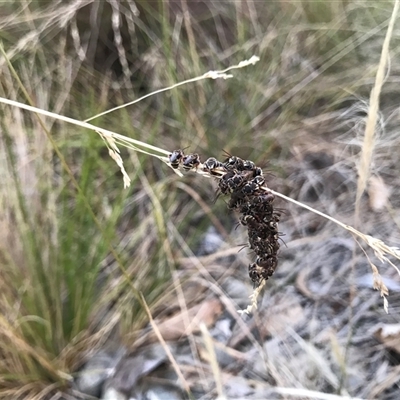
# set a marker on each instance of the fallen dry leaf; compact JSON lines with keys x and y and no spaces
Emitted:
{"x":286,"y":312}
{"x":389,"y":335}
{"x":378,"y":193}
{"x":184,"y":324}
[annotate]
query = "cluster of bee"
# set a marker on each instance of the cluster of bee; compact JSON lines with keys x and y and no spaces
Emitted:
{"x":245,"y":183}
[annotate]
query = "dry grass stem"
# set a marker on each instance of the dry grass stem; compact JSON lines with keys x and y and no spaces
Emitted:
{"x":379,"y":247}
{"x":59,"y":117}
{"x":213,"y":361}
{"x":311,"y":394}
{"x":369,"y":136}
{"x":253,"y":297}
{"x":208,"y":75}
{"x":167,"y":350}
{"x":110,"y":138}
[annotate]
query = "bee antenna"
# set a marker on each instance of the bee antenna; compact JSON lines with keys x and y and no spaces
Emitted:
{"x":269,"y":174}
{"x":280,"y":210}
{"x":244,"y":246}
{"x":226,"y":153}
{"x":280,"y":238}
{"x":217,"y":194}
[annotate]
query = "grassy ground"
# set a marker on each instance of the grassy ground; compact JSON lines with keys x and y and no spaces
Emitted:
{"x":76,"y":248}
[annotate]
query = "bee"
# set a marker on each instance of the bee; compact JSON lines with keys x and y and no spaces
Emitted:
{"x":234,"y":163}
{"x":223,"y":183}
{"x":254,"y":239}
{"x":273,"y":226}
{"x":255,"y":274}
{"x":261,"y":207}
{"x":175,"y":158}
{"x":191,"y":161}
{"x":257,"y":171}
{"x":235,"y":182}
{"x":249,"y":165}
{"x":268,"y":264}
{"x":259,"y":180}
{"x":237,"y":201}
{"x":248,"y":220}
{"x":249,"y":188}
{"x":269,"y":248}
{"x":266,"y":198}
{"x":247,"y":209}
{"x":211,"y":164}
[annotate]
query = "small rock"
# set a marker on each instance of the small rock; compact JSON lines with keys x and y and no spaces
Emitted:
{"x":113,"y":394}
{"x":160,"y":392}
{"x":134,"y":367}
{"x":211,"y":242}
{"x":238,"y":388}
{"x":224,"y":359}
{"x":96,"y":371}
{"x":238,"y":290}
{"x":222,"y":330}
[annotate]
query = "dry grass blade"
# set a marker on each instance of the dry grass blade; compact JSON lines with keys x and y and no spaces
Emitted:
{"x":369,"y":137}
{"x":167,"y":350}
{"x":311,"y":394}
{"x":378,"y":193}
{"x":113,"y":151}
{"x":381,"y":250}
{"x":106,"y":132}
{"x":9,"y":332}
{"x":213,"y":361}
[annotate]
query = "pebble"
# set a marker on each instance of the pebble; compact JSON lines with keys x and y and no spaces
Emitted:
{"x":113,"y":394}
{"x":91,"y":378}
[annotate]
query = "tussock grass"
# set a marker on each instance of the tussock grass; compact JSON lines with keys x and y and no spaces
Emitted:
{"x":66,"y":218}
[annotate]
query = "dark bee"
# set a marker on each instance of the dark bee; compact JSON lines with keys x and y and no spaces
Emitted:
{"x":249,"y":188}
{"x":237,"y":200}
{"x":268,"y":262}
{"x":234,"y":163}
{"x":257,"y":171}
{"x":261,"y":208}
{"x":259,"y":180}
{"x":230,"y":182}
{"x":248,"y":219}
{"x":235,"y":182}
{"x":267,"y":247}
{"x":223,"y":183}
{"x":212,"y":163}
{"x":255,"y":274}
{"x":254,"y":239}
{"x":261,"y":250}
{"x":248,"y":165}
{"x":273,"y":226}
{"x":266,"y":198}
{"x":255,"y":223}
{"x":191,"y":161}
{"x":175,"y":158}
